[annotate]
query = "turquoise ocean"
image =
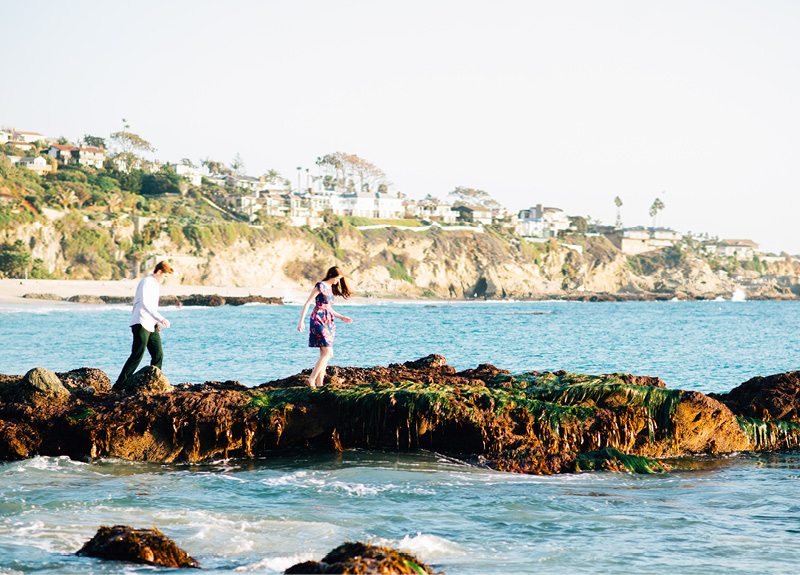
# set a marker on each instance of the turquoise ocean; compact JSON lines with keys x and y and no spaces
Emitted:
{"x":737,"y":514}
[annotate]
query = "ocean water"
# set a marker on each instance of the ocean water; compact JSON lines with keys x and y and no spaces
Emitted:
{"x":734,"y":514}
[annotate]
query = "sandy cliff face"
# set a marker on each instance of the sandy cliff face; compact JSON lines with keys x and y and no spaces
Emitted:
{"x":392,"y":262}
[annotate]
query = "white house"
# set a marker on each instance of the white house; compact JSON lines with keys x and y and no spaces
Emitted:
{"x":475,"y":214}
{"x":187,"y":173}
{"x":21,"y":145}
{"x":639,"y":239}
{"x":35,"y":163}
{"x":90,"y":156}
{"x":740,"y":249}
{"x":431,"y":211}
{"x":28,"y":137}
{"x":542,"y":222}
{"x":5,"y":136}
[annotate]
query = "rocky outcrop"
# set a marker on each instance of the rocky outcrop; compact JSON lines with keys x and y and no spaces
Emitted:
{"x":535,"y":422}
{"x":767,"y":398}
{"x":147,"y":546}
{"x":356,"y":557}
{"x":147,"y":380}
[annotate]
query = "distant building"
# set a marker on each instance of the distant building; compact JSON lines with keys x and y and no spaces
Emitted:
{"x":475,"y":214}
{"x":77,"y":156}
{"x":639,"y":239}
{"x":188,"y":173}
{"x":90,"y":156}
{"x":21,"y":145}
{"x":433,"y":211}
{"x":542,"y":222}
{"x":28,"y":137}
{"x":5,"y":136}
{"x":34,"y":163}
{"x":739,"y":249}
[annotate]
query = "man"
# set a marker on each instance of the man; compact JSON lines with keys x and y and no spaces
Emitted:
{"x":146,"y":322}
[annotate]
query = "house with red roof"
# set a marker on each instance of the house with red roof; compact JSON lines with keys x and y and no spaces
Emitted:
{"x":77,"y":155}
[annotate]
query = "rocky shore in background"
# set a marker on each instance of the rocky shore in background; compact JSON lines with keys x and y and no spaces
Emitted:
{"x":535,"y":422}
{"x":212,"y":300}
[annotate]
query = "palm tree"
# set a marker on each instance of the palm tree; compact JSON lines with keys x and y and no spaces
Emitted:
{"x":657,"y":206}
{"x":114,"y":202}
{"x":618,"y":203}
{"x":66,"y":199}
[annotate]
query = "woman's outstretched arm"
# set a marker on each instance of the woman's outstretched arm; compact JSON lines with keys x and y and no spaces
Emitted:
{"x":314,"y":292}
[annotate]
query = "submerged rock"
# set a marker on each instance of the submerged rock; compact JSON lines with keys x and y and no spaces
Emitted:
{"x":357,"y":558}
{"x":149,"y":379}
{"x":148,"y":546}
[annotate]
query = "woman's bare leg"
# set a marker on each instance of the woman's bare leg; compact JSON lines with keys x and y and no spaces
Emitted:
{"x":317,"y":377}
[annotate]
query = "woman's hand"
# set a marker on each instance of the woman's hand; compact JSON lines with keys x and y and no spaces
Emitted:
{"x":346,"y":319}
{"x":300,"y":326}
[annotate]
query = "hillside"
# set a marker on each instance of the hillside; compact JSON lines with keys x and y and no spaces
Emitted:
{"x":84,"y":224}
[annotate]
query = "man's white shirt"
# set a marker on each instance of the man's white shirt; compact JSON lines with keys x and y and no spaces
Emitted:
{"x":145,"y":304}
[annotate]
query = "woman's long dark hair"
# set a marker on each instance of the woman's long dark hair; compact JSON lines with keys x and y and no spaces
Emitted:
{"x":339,"y":288}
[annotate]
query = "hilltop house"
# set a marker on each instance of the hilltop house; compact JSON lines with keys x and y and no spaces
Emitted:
{"x":433,"y":211}
{"x":28,"y":137}
{"x":24,"y":146}
{"x":34,"y":163}
{"x":475,"y":214}
{"x":187,"y":173}
{"x":75,"y":155}
{"x":5,"y":136}
{"x":740,"y":249}
{"x":639,"y":239}
{"x":542,"y":222}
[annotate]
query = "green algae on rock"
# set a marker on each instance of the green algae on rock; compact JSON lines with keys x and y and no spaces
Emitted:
{"x":147,"y":546}
{"x":535,"y":422}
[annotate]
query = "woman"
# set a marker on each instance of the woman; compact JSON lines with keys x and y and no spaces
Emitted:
{"x":322,"y":327}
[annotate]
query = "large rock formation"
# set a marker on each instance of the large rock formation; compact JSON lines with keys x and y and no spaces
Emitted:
{"x":536,"y":422}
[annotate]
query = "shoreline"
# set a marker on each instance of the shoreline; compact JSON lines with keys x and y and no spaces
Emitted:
{"x":12,"y":291}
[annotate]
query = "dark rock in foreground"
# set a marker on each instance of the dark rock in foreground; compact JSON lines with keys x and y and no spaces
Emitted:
{"x":535,"y":422}
{"x":363,"y":558}
{"x":148,"y":546}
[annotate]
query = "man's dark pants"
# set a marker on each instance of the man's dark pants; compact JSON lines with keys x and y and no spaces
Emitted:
{"x":142,"y":339}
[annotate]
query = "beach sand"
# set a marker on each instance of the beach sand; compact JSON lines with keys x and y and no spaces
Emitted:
{"x":12,"y":290}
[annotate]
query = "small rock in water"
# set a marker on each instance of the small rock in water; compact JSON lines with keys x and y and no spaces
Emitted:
{"x":149,"y":379}
{"x":355,"y":557}
{"x":149,"y":546}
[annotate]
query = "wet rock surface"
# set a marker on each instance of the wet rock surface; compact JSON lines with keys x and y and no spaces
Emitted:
{"x":535,"y":422}
{"x":147,"y":546}
{"x":356,"y":557}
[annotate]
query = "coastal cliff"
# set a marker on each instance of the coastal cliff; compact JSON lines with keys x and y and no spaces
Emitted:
{"x":536,"y":422}
{"x":388,"y":262}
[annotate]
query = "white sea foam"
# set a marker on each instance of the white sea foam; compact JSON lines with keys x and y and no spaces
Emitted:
{"x":426,"y":546}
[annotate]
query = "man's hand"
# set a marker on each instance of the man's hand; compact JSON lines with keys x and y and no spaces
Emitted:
{"x":165,"y":323}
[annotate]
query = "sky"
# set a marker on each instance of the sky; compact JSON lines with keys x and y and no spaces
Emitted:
{"x":564,"y":103}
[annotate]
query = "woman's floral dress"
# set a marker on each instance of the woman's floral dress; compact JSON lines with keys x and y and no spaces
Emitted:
{"x":322,"y":326}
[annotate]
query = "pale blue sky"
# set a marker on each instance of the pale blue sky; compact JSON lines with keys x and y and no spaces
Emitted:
{"x":568,"y":103}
